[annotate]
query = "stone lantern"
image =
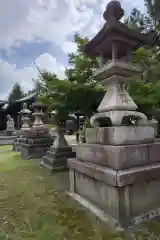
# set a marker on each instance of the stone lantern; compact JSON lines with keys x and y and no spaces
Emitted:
{"x":36,"y":140}
{"x":56,"y":158}
{"x":116,"y":173}
{"x":24,"y":114}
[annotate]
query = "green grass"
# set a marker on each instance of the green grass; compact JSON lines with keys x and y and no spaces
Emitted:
{"x":5,"y":148}
{"x":34,"y":206}
{"x":51,"y":125}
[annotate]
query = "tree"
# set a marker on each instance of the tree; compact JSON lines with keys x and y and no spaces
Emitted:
{"x":30,"y":92}
{"x":153,"y":9}
{"x":78,"y":92}
{"x":139,"y":21}
{"x":145,"y":88}
{"x":81,"y":66}
{"x":16,"y":92}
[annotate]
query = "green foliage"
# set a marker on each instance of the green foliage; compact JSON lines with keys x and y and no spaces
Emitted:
{"x":139,"y":21}
{"x":153,"y":9}
{"x":78,"y":92}
{"x":34,"y":205}
{"x":16,"y":92}
{"x":82,"y":66}
{"x":145,"y":88}
{"x":29,"y":92}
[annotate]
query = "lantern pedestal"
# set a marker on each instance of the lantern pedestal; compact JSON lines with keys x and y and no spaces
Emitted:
{"x":35,"y":141}
{"x":116,"y":174}
{"x":57,"y":156}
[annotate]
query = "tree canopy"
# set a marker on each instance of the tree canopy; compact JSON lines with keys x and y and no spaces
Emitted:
{"x":16,"y":93}
{"x":80,"y":92}
{"x":145,"y":88}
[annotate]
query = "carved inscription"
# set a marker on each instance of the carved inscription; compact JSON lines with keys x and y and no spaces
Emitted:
{"x":121,"y":92}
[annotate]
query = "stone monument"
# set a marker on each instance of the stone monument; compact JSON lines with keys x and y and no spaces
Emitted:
{"x":24,"y":114}
{"x":10,"y":130}
{"x":8,"y":136}
{"x":56,"y":158}
{"x":116,"y":174}
{"x":153,"y":122}
{"x":35,"y":140}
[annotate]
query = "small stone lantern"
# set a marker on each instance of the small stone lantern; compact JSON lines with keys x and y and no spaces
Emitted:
{"x":36,"y":140}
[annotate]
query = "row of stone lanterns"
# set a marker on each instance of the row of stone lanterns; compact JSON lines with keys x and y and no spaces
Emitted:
{"x":35,"y":142}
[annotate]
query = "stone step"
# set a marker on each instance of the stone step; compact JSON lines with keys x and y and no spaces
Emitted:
{"x":52,"y":154}
{"x":119,"y":157}
{"x":54,"y":162}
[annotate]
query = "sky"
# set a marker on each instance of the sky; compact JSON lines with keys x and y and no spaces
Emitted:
{"x":42,"y":31}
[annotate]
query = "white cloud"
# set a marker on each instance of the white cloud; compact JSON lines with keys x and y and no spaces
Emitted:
{"x":51,"y":20}
{"x":68,"y":47}
{"x":10,"y":74}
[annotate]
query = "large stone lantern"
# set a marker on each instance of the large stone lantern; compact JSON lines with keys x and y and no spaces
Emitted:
{"x":116,"y":173}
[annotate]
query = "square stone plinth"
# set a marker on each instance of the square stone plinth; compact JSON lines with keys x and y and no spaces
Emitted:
{"x":120,"y":198}
{"x":119,"y":157}
{"x":7,"y":140}
{"x":56,"y":159}
{"x":34,"y":151}
{"x":120,"y":135}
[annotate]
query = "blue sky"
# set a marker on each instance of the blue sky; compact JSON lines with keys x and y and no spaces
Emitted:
{"x":41,"y":31}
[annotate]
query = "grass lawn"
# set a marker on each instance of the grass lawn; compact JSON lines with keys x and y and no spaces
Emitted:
{"x":33,"y":206}
{"x":51,"y":125}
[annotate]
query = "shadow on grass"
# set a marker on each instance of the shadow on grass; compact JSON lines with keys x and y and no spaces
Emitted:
{"x":33,"y":205}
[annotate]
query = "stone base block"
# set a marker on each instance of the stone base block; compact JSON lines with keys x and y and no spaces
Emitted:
{"x":2,"y":133}
{"x":57,"y":159}
{"x":7,"y":140}
{"x":122,"y":198}
{"x":120,"y":135}
{"x":10,"y":133}
{"x":119,"y":157}
{"x":32,"y":151}
{"x":16,"y":145}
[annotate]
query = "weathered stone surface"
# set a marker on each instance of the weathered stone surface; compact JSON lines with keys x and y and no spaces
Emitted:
{"x":10,"y":131}
{"x":122,"y":205}
{"x":57,"y":156}
{"x":118,"y":178}
{"x":105,"y":196}
{"x":119,"y":157}
{"x":118,"y":68}
{"x":7,"y":140}
{"x":29,"y":151}
{"x":34,"y":141}
{"x":154,"y":153}
{"x":141,"y":201}
{"x":120,"y":135}
{"x":120,"y":167}
{"x":56,"y":159}
{"x":138,"y":174}
{"x":154,"y":123}
{"x":119,"y":99}
{"x":107,"y":175}
{"x":116,"y":118}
